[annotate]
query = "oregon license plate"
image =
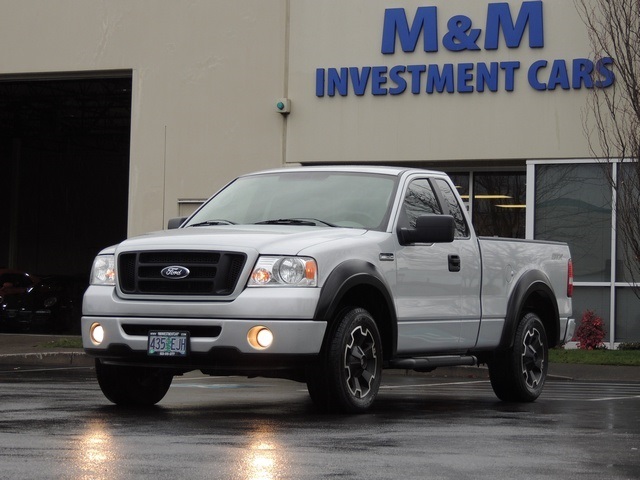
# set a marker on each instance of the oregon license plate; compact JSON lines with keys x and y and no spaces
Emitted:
{"x":168,"y":343}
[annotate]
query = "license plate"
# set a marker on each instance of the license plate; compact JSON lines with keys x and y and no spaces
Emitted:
{"x":168,"y":344}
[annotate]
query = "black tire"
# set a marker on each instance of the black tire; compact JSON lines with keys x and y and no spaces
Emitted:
{"x":348,"y":377}
{"x":132,"y":386}
{"x":518,"y":374}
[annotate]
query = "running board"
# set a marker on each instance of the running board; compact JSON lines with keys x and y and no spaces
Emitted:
{"x":427,"y":364}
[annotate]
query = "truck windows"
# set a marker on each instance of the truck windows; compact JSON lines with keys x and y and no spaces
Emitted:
{"x":419,"y":200}
{"x":462,"y":230}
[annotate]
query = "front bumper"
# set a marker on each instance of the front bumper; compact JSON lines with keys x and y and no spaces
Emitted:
{"x":290,"y":337}
{"x":287,"y":312}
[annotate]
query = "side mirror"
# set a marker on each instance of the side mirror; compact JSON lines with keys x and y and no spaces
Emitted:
{"x":429,"y":229}
{"x":175,"y":222}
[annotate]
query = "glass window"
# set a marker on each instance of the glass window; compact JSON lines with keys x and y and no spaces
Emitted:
{"x":454,"y":209}
{"x":573,"y":205}
{"x":419,"y":200}
{"x":461,"y":182}
{"x":596,"y":299}
{"x":628,"y":223}
{"x":499,"y":204}
{"x":627,"y":315}
{"x":358,"y":200}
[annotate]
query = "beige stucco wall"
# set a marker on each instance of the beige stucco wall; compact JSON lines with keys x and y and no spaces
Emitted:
{"x":205,"y":78}
{"x":206,"y":75}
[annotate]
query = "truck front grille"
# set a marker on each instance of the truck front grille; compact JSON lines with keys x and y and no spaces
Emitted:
{"x":210,"y":273}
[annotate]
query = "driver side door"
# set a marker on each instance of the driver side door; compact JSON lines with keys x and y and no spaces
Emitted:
{"x":438,"y":284}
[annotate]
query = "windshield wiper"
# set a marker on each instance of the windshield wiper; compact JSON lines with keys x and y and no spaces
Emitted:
{"x":213,"y":222}
{"x":310,"y":222}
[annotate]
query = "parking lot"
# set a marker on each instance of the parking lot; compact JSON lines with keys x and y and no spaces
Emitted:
{"x":55,"y":423}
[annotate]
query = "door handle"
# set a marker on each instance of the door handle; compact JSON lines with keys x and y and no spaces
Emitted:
{"x":454,"y":263}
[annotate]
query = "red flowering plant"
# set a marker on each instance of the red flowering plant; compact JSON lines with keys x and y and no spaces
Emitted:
{"x":590,"y":332}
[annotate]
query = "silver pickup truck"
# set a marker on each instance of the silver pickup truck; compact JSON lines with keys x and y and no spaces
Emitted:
{"x":326,"y":275}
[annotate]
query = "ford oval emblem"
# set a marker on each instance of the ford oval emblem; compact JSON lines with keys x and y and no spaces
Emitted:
{"x":175,"y":272}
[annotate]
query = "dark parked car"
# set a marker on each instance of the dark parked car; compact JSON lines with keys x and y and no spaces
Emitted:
{"x":49,"y":304}
{"x":15,"y":281}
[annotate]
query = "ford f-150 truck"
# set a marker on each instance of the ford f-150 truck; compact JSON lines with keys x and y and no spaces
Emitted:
{"x":326,"y":275}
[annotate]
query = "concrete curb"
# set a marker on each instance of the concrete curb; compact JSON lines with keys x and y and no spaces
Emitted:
{"x":60,"y":359}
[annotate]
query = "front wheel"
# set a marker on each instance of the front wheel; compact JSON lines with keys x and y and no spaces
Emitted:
{"x":132,"y":386}
{"x":518,"y":374}
{"x":349,"y":375}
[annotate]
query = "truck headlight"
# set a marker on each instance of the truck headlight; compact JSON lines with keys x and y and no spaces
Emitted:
{"x":103,"y":271}
{"x":284,"y":272}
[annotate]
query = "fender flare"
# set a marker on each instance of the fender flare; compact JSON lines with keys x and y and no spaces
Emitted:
{"x":346,"y":276}
{"x":532,"y":282}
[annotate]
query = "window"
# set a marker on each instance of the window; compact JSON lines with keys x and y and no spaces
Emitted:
{"x":573,"y":205}
{"x":419,"y":200}
{"x":496,"y":201}
{"x":499,"y":204}
{"x":344,"y":199}
{"x":462,"y":230}
{"x":627,"y":315}
{"x":628,"y":223}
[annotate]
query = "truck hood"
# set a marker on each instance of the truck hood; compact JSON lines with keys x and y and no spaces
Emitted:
{"x":264,"y":239}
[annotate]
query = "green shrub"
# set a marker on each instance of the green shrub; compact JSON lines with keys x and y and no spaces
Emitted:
{"x":629,"y":346}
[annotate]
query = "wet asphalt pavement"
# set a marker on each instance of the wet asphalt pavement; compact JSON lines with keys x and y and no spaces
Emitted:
{"x":55,"y":423}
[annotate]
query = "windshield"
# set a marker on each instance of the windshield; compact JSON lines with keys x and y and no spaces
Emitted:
{"x":356,"y":200}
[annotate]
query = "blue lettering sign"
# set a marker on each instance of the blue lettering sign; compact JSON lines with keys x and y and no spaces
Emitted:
{"x":608,"y":77}
{"x":461,"y":36}
{"x":533,"y":74}
{"x":396,"y":77}
{"x":559,"y":76}
{"x":416,"y":72}
{"x":487,"y":76}
{"x":465,"y":76}
{"x":379,"y":78}
{"x":319,"y":82}
{"x":582,"y":70}
{"x":359,"y":80}
{"x":440,"y":82}
{"x":337,"y":81}
{"x":499,"y":20}
{"x":582,"y":73}
{"x":395,"y":22}
{"x":509,"y":74}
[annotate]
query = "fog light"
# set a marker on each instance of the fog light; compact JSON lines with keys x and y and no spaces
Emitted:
{"x":96,"y":333}
{"x":260,"y":337}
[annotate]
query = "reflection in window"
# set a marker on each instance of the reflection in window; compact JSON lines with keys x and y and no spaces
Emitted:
{"x":627,"y":315}
{"x":628,"y":223}
{"x":573,"y":205}
{"x":461,"y":182}
{"x":499,"y":200}
{"x":462,"y":231}
{"x":419,"y":200}
{"x":344,"y":199}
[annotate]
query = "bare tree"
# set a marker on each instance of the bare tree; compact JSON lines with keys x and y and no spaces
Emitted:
{"x":612,"y":121}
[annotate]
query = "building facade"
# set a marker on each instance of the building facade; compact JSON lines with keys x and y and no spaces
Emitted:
{"x":494,"y":93}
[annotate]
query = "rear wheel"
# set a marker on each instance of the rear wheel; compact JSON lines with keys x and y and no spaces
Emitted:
{"x":132,"y":386}
{"x":518,"y":374}
{"x":348,"y":377}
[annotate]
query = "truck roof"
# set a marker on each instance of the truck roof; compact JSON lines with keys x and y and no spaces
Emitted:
{"x":383,"y":170}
